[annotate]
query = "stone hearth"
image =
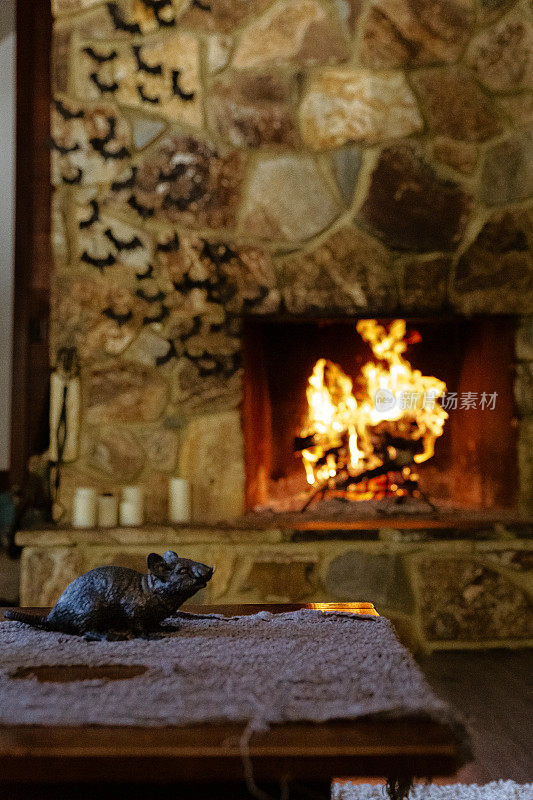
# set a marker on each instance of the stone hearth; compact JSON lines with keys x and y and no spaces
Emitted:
{"x":442,"y":588}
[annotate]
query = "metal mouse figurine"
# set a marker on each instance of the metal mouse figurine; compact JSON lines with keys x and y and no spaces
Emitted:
{"x":120,"y":602}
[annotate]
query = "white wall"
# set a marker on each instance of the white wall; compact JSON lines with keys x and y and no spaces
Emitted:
{"x":7,"y":198}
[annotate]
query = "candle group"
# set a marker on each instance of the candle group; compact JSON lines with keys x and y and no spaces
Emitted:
{"x":105,"y":511}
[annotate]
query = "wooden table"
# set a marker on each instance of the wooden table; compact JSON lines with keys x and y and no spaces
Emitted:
{"x":206,"y":760}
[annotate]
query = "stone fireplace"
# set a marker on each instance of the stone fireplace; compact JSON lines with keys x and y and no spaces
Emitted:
{"x":231,"y":179}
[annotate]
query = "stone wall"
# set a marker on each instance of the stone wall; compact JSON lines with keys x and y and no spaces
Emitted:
{"x":214,"y":159}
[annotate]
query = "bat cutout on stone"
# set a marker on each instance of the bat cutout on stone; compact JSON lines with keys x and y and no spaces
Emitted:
{"x":169,"y":247}
{"x":171,"y":353}
{"x":111,"y":130}
{"x":99,"y":57}
{"x":102,"y":87}
{"x":100,"y":146}
{"x":217,"y":252}
{"x":196,"y":328}
{"x":99,"y":143}
{"x":119,"y":22}
{"x":157,"y":6}
{"x":75,"y":180}
{"x":66,"y":113}
{"x":99,"y":263}
{"x":127,"y":183}
{"x":120,"y":319}
{"x":250,"y":302}
{"x":61,"y":149}
{"x":122,"y":244}
{"x":141,"y":276}
{"x":113,"y":603}
{"x":176,"y":172}
{"x":142,"y":66}
{"x":154,"y":298}
{"x":201,"y":6}
{"x":176,"y":88}
{"x":143,"y":211}
{"x":184,"y":201}
{"x":95,"y":216}
{"x":146,"y":97}
{"x":163,"y":314}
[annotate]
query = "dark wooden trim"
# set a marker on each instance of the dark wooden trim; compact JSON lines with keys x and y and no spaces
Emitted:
{"x":4,"y":480}
{"x":32,"y":204}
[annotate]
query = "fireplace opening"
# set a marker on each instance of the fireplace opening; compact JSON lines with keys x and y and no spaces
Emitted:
{"x":359,"y":417}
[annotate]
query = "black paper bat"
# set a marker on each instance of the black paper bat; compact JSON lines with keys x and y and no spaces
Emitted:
{"x":99,"y":263}
{"x":145,"y":97}
{"x":176,"y":172}
{"x":120,"y":244}
{"x":196,"y":328}
{"x":63,"y":151}
{"x":120,"y":319}
{"x":218,"y":253}
{"x":119,"y":22}
{"x":171,"y":353}
{"x":86,"y":223}
{"x":142,"y":66}
{"x":163,"y":314}
{"x":176,"y":88}
{"x":183,"y":202}
{"x":99,"y":57}
{"x":128,"y":183}
{"x":101,"y":86}
{"x":187,"y":283}
{"x":143,"y":211}
{"x":169,"y":247}
{"x":65,"y":112}
{"x":99,"y":143}
{"x":100,"y":146}
{"x":111,"y":130}
{"x":141,"y":276}
{"x":249,"y":303}
{"x":154,"y":298}
{"x":157,"y":7}
{"x":75,"y":180}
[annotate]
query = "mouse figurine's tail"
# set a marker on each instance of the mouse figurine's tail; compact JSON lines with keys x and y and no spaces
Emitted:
{"x":35,"y":620}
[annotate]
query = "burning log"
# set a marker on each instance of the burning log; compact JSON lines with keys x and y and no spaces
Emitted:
{"x":343,"y":479}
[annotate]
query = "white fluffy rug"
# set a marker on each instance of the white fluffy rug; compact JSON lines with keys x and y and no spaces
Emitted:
{"x":497,"y":790}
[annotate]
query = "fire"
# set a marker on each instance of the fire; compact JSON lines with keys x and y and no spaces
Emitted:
{"x":388,"y":424}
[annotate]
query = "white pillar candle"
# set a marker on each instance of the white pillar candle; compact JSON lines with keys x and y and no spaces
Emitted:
{"x":133,"y":494}
{"x":130,"y":513}
{"x":179,"y":500}
{"x":84,"y":508}
{"x":107,"y":511}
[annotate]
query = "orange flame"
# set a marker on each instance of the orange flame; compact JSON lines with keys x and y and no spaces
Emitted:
{"x":395,"y":399}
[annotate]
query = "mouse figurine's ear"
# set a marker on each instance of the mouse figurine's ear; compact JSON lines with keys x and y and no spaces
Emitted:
{"x":158,"y":566}
{"x":171,"y":557}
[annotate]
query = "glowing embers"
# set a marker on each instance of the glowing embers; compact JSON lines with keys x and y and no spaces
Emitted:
{"x":362,"y":441}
